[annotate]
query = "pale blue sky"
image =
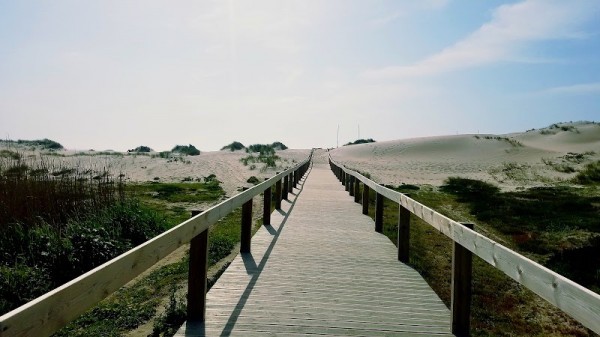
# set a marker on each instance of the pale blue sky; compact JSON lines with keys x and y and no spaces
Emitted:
{"x":118,"y":74}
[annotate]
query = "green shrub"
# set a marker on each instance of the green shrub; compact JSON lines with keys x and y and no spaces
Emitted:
{"x":172,"y":319}
{"x":234,"y":146}
{"x":141,"y":149}
{"x":590,"y":174}
{"x":189,"y":150}
{"x":361,"y":141}
{"x":253,"y":180}
{"x":42,"y":143}
{"x":279,"y":146}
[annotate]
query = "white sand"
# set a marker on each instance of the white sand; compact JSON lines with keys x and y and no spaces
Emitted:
{"x":433,"y":159}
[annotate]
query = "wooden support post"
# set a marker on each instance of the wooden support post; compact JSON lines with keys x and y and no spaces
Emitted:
{"x":290,"y":183}
{"x":365,"y":200}
{"x":278,"y":194}
{"x":356,"y":190}
{"x":284,"y":193}
{"x":344,"y":179}
{"x":267,"y":207}
{"x":403,"y":234}
{"x":462,"y":267}
{"x":246,"y":227}
{"x":296,"y":178}
{"x":351,"y":187}
{"x":198,"y":267}
{"x":379,"y":213}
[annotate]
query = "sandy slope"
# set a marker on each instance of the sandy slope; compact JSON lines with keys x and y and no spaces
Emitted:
{"x":226,"y":165}
{"x":514,"y":160}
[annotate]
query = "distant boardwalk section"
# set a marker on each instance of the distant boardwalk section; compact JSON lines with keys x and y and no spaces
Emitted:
{"x":321,"y":269}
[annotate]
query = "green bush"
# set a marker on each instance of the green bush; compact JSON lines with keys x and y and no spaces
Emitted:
{"x":590,"y":174}
{"x":361,"y":141}
{"x":189,"y":150}
{"x":253,"y":180}
{"x":141,"y":149}
{"x":279,"y":146}
{"x":234,"y":146}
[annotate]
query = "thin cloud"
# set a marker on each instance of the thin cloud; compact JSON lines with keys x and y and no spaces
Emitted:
{"x":407,"y":9}
{"x":576,"y":89}
{"x":504,"y":37}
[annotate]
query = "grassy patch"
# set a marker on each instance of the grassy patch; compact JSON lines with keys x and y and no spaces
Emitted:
{"x":178,"y":192}
{"x":590,"y":174}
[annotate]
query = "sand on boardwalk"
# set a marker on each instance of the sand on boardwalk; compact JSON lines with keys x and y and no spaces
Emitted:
{"x":512,"y":161}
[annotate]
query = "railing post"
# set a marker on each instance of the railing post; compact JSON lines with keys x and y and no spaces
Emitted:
{"x":351,"y":187}
{"x":278,"y":194}
{"x":462,"y":267}
{"x":365,"y":200}
{"x":343,"y":179}
{"x":246,"y":227}
{"x":296,"y":178}
{"x":379,"y":213}
{"x":291,"y":183}
{"x":403,"y":234}
{"x":347,"y":180}
{"x":284,"y":193}
{"x":267,"y":206}
{"x":356,"y":190}
{"x":198,"y":267}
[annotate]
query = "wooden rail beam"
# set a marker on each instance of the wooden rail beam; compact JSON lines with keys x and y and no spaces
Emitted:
{"x":462,"y":267}
{"x":197,"y":272}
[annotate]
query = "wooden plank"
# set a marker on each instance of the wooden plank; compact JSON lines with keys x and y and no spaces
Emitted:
{"x":308,"y":279}
{"x":579,"y":302}
{"x":53,"y":310}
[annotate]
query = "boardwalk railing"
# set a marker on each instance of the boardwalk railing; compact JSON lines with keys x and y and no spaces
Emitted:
{"x":580,"y":303}
{"x":50,"y":312}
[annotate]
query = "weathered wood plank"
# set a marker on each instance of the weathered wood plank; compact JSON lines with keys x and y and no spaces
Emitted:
{"x":322,"y":273}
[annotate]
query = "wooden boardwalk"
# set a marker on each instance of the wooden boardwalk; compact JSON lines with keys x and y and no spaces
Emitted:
{"x":321,"y":269}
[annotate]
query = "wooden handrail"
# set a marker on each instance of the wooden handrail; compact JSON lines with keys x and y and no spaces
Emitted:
{"x":53,"y":310}
{"x":577,"y":301}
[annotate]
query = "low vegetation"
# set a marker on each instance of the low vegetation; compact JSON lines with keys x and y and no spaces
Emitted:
{"x":58,"y":222}
{"x":234,"y":146}
{"x":360,"y":141}
{"x":511,"y":141}
{"x":44,"y":144}
{"x":189,"y":150}
{"x":141,"y":149}
{"x":590,"y":174}
{"x":556,"y":226}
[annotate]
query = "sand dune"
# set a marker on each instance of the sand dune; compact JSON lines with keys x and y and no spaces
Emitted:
{"x":515,"y":160}
{"x":226,"y":165}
